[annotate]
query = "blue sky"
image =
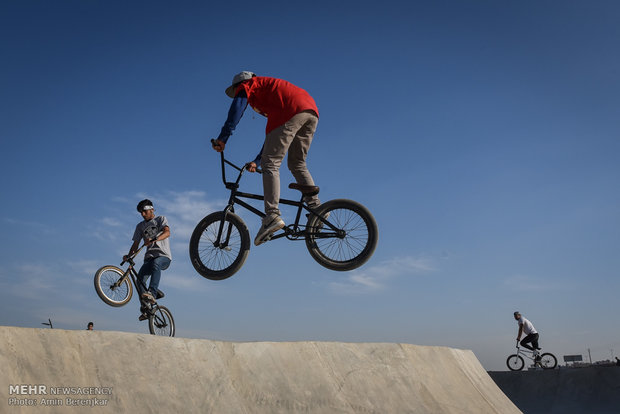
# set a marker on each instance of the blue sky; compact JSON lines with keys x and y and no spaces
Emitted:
{"x":482,"y":135}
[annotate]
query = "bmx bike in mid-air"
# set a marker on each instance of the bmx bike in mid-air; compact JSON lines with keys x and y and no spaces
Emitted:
{"x":339,"y":234}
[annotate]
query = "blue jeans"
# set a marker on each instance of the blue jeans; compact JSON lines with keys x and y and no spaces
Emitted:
{"x":152,"y":268}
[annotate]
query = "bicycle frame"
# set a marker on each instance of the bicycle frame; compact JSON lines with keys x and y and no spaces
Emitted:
{"x":133,"y":275}
{"x":526,"y":353}
{"x":291,"y":232}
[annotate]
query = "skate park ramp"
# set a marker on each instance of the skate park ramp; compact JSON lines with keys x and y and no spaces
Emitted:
{"x":69,"y":371}
{"x":593,"y":390}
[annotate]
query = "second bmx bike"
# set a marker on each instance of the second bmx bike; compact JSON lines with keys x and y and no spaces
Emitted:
{"x":115,"y":287}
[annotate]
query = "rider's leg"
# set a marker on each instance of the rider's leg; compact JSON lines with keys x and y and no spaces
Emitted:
{"x":298,"y":152}
{"x":159,"y":263}
{"x":534,"y":341}
{"x":277,"y":143}
{"x":526,"y":341}
{"x":143,"y":274}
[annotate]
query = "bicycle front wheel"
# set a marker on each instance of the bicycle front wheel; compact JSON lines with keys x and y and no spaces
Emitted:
{"x":351,"y":241}
{"x":548,"y":361}
{"x":161,"y":322}
{"x":111,"y":287}
{"x":515,"y":362}
{"x":218,"y":258}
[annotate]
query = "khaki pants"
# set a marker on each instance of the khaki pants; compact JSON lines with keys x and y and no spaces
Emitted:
{"x":294,"y":137}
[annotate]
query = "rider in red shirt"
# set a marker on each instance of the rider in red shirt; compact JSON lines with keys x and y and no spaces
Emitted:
{"x":292,"y":117}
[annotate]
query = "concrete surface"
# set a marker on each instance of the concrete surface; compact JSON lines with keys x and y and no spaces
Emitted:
{"x":592,"y":390}
{"x":124,"y":372}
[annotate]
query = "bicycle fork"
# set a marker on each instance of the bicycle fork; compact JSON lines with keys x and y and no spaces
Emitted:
{"x":219,"y":243}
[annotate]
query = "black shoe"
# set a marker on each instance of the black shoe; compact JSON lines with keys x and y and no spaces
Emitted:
{"x":143,"y":317}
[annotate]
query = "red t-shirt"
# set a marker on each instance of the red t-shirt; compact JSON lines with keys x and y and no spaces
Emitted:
{"x":276,"y":99}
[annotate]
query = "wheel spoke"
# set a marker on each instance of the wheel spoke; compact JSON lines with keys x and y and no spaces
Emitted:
{"x":352,"y":244}
{"x":110,"y":287}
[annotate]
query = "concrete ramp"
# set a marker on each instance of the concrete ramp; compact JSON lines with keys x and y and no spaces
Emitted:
{"x":67,"y":371}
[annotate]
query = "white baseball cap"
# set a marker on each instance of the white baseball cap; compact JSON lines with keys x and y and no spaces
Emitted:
{"x":239,"y":77}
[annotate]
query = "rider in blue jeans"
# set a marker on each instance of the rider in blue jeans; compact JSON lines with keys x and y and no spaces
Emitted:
{"x":155,"y":232}
{"x":531,"y":335}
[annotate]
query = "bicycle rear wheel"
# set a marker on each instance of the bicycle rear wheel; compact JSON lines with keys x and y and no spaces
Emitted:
{"x":110,"y":288}
{"x":161,"y":322}
{"x":548,"y":361}
{"x":348,"y":247}
{"x":214,"y":258}
{"x":515,"y":362}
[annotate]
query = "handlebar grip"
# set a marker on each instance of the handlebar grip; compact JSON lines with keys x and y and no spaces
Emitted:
{"x":214,"y":143}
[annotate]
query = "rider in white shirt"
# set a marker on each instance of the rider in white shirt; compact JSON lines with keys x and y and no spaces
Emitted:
{"x":531,"y":335}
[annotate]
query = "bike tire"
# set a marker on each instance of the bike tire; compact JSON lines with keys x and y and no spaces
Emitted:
{"x":105,"y":279}
{"x":548,"y":361}
{"x":355,"y":247}
{"x":161,"y":322}
{"x":211,"y":261}
{"x":515,"y":362}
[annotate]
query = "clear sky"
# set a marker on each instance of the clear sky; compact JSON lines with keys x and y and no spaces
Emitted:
{"x":483,"y":136}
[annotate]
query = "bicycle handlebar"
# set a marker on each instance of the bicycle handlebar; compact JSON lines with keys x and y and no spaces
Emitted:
{"x":130,"y":257}
{"x":225,"y":161}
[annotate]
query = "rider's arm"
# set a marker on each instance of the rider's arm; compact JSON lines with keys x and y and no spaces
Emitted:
{"x":133,"y":248}
{"x":259,"y":156}
{"x":163,"y":235}
{"x":520,"y":332}
{"x":237,"y":108}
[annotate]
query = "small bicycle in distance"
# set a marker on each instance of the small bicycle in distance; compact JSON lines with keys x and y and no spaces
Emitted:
{"x":515,"y":362}
{"x":339,"y":234}
{"x":114,"y":286}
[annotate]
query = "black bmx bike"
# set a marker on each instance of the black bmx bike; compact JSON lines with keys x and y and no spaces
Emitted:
{"x":515,"y":362}
{"x":339,"y":234}
{"x":115,"y":287}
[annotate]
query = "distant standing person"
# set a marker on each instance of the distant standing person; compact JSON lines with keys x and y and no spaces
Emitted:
{"x":90,"y":326}
{"x":155,"y":232}
{"x":531,"y":335}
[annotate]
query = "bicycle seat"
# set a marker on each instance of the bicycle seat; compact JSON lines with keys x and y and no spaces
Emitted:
{"x":307,"y":190}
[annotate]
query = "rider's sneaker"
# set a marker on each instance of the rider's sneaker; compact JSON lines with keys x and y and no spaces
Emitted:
{"x":143,"y":317}
{"x":148,"y":297}
{"x":266,"y":230}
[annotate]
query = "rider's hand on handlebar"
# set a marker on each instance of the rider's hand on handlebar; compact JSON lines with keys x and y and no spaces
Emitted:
{"x":218,"y":145}
{"x":251,"y":166}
